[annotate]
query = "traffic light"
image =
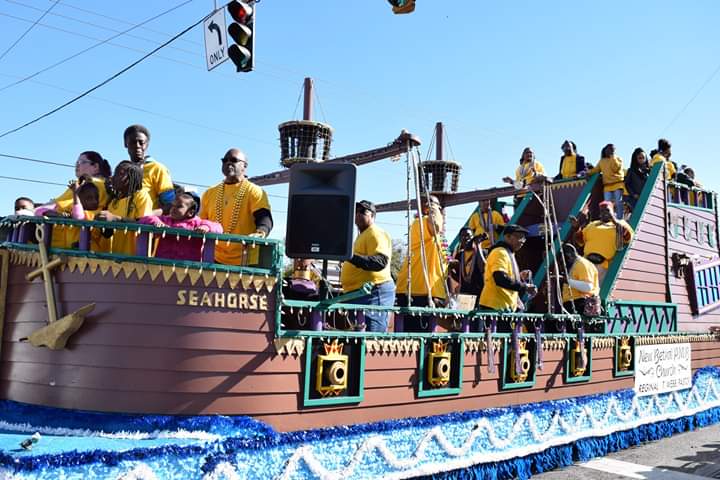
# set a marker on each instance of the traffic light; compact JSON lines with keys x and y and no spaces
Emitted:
{"x":242,"y":32}
{"x":402,"y":6}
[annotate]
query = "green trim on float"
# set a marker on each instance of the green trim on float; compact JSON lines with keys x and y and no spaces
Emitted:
{"x":566,"y":227}
{"x":616,"y":353}
{"x":640,"y":207}
{"x":310,"y":376}
{"x":456,"y":367}
{"x":506,"y":382}
{"x":588,"y":367}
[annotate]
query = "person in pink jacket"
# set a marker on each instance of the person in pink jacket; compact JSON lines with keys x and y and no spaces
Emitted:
{"x":182,"y":214}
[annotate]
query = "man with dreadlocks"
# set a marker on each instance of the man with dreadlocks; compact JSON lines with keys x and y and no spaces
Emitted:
{"x":128,"y":203}
{"x":156,"y":176}
{"x":241,"y":207}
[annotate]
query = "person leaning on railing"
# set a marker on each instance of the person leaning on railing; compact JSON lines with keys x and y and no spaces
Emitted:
{"x":183,"y":215}
{"x":572,"y":164}
{"x":372,"y":252}
{"x":240,"y":206}
{"x":636,"y":177}
{"x":581,"y":288}
{"x":504,"y":282}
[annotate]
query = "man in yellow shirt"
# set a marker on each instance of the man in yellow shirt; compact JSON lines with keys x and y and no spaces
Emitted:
{"x":663,"y":155}
{"x":603,"y":238}
{"x":504,"y":282}
{"x":156,"y":177}
{"x":484,"y":228}
{"x":582,"y":281}
{"x":370,"y":262}
{"x":432,"y":225}
{"x":241,"y":207}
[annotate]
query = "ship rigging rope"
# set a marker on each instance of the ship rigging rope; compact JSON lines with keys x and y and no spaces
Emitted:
{"x":438,"y":247}
{"x":421,"y":224}
{"x":409,"y":224}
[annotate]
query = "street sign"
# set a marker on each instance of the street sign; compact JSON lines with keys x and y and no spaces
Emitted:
{"x":216,"y":48}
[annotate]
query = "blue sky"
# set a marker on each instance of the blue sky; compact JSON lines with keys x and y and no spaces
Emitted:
{"x":499,"y":75}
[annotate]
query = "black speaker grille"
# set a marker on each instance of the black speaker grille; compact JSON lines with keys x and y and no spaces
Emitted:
{"x":318,"y":224}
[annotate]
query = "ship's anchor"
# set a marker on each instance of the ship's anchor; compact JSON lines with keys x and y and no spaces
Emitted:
{"x":57,"y":332}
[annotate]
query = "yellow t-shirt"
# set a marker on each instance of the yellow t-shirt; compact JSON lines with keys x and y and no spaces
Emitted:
{"x":527,"y":174}
{"x":436,"y":263}
{"x":239,"y":201}
{"x":477,"y":225}
{"x":584,"y":271}
{"x":599,"y":237}
{"x":613,"y":174}
{"x":156,"y":180}
{"x":568,"y":166}
{"x":372,"y":241}
{"x":123,"y":243}
{"x":64,"y":202}
{"x":492,"y":296}
{"x":669,"y":166}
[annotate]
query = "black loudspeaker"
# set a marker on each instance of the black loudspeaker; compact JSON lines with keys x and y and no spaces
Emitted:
{"x":321,"y":211}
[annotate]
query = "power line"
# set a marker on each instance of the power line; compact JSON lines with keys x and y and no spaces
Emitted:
{"x":102,"y":27}
{"x":28,"y":29}
{"x":46,"y":162}
{"x":24,"y":79}
{"x":105,"y":82}
{"x":697,"y":94}
{"x":30,"y":180}
{"x":192,"y":123}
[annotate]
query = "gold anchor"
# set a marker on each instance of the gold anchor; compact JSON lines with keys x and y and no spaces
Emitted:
{"x":57,"y":332}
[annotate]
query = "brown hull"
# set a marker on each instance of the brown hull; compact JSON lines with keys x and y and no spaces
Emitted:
{"x":140,"y":352}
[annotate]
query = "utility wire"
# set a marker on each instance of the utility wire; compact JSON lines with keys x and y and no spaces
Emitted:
{"x":195,"y":53}
{"x":28,"y":29}
{"x":103,"y":42}
{"x":30,"y":180}
{"x":697,"y":94}
{"x":192,"y":123}
{"x":103,"y":83}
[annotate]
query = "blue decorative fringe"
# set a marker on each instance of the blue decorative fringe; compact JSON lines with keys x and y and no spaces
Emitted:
{"x":245,"y":433}
{"x":579,"y":451}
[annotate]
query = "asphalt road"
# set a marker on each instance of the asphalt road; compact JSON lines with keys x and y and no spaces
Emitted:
{"x":687,"y":456}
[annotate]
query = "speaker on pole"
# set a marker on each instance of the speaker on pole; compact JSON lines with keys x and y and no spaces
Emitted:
{"x":321,"y":211}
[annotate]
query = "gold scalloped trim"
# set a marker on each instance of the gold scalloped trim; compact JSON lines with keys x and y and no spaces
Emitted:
{"x":399,"y":346}
{"x":475,"y":345}
{"x":603,"y":343}
{"x":289,"y":346}
{"x":136,"y":270}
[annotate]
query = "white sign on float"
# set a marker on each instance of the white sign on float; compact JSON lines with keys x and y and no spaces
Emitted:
{"x":662,"y":368}
{"x":216,"y":48}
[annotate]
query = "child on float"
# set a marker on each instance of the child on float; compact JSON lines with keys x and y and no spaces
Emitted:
{"x":24,"y":206}
{"x":613,"y":177}
{"x":129,"y":202}
{"x":86,"y":204}
{"x":182,"y":214}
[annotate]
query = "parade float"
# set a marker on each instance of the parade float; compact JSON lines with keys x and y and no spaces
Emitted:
{"x":136,"y":367}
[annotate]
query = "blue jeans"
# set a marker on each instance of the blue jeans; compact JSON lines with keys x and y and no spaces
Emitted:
{"x":382,"y":294}
{"x":616,"y":196}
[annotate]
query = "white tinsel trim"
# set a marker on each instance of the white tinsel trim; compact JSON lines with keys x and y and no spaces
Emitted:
{"x":140,"y":472}
{"x":568,"y":433}
{"x":79,"y":432}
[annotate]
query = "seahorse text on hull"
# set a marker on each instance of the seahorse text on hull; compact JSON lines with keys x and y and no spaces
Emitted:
{"x":234,"y":300}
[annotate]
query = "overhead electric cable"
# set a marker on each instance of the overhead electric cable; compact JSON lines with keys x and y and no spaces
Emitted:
{"x":31,"y":180}
{"x":104,"y":82}
{"x":102,"y":27}
{"x":103,"y":42}
{"x":28,"y":30}
{"x":697,"y":94}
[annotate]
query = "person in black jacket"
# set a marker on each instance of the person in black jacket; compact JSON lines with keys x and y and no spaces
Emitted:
{"x":636,"y":177}
{"x":571,"y":163}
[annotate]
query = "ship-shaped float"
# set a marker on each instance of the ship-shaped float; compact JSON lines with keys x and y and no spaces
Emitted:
{"x":184,"y":369}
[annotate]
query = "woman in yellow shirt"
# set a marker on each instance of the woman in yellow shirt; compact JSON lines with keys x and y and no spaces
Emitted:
{"x":571,"y":163}
{"x":664,"y":151}
{"x":613,"y":177}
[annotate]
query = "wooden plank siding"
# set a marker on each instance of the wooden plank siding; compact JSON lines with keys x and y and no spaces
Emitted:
{"x":703,"y":253}
{"x":642,"y":276}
